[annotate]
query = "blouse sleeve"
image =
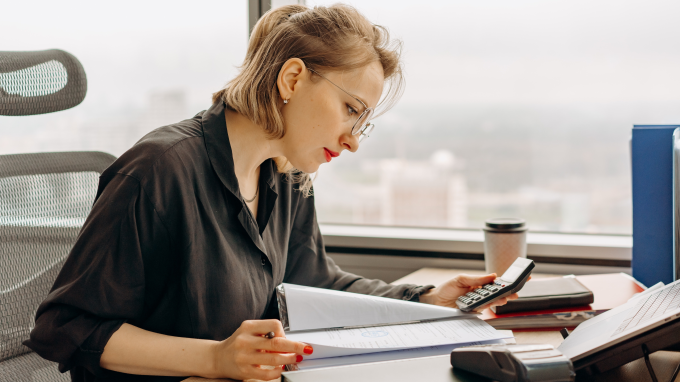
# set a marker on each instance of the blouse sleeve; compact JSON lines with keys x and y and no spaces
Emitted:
{"x":309,"y":265}
{"x":118,"y":261}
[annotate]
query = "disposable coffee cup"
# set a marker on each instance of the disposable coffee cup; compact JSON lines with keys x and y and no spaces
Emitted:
{"x":505,"y":239}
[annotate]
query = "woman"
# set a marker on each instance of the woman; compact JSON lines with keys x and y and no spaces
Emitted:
{"x":174,"y":271}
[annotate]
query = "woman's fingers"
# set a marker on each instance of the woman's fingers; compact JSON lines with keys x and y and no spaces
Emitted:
{"x":500,"y":301}
{"x":475,"y":281}
{"x":275,"y":359}
{"x":249,"y":354}
{"x":262,"y":327}
{"x":283,"y":345}
{"x":279,"y":344}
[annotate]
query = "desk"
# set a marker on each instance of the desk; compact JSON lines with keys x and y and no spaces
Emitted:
{"x":664,"y":362}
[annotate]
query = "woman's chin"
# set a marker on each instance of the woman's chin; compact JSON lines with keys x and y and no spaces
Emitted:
{"x":307,"y":167}
{"x":312,"y":168}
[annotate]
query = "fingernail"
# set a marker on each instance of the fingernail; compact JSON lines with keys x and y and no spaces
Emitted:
{"x":298,"y":358}
{"x":283,"y":367}
{"x":308,"y":350}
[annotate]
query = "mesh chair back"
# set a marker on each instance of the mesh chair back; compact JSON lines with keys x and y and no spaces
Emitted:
{"x":44,"y":200}
{"x":40,"y":82}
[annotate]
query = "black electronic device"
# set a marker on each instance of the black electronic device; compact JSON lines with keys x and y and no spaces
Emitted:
{"x":512,"y":280}
{"x":514,"y":363}
{"x":548,"y":293}
{"x":664,"y":337}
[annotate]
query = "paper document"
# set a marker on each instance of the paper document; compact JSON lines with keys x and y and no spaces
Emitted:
{"x":311,"y":308}
{"x":396,"y":354}
{"x":387,"y":355}
{"x":342,"y":342}
{"x":623,"y":322}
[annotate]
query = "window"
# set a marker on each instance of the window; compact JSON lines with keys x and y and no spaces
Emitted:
{"x":148,"y":63}
{"x":512,"y":107}
{"x":516,"y":108}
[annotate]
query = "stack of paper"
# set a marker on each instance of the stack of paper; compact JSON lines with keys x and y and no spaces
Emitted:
{"x":345,"y":327}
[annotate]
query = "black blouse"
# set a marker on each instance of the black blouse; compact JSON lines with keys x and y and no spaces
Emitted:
{"x":171,"y":247}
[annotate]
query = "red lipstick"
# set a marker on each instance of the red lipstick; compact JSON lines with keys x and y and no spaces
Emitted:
{"x":330,"y":154}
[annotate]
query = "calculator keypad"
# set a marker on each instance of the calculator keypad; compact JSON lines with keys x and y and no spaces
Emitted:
{"x":478,"y":294}
{"x":499,"y":287}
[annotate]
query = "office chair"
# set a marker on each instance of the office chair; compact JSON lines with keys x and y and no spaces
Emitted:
{"x":40,"y":82}
{"x":44,"y":200}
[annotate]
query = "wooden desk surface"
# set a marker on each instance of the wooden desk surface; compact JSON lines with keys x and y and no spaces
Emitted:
{"x":664,"y":362}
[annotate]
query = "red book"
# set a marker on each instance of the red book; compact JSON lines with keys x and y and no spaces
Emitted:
{"x":609,"y":291}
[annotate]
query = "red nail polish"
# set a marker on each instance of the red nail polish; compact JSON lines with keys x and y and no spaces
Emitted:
{"x":298,"y":358}
{"x":308,"y":350}
{"x":283,"y":367}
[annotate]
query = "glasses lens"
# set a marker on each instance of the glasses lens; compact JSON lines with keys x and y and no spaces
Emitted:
{"x":362,"y":122}
{"x":366,"y":132}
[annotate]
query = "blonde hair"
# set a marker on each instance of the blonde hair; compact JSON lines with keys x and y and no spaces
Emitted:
{"x":325,"y":38}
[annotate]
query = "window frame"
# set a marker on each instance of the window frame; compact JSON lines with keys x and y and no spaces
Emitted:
{"x":544,"y":247}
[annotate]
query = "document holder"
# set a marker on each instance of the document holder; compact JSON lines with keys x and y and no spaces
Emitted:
{"x":665,"y":337}
{"x":283,"y":307}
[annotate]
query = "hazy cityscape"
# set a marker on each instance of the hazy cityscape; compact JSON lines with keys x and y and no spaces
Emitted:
{"x":562,"y":168}
{"x":520,"y":110}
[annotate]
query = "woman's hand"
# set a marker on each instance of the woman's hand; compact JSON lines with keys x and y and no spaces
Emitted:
{"x":242,"y":355}
{"x":447,"y":293}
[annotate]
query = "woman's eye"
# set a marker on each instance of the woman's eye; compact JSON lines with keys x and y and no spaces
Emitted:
{"x":351,"y":110}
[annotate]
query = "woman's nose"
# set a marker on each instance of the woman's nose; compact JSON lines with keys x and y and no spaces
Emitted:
{"x":350,"y":142}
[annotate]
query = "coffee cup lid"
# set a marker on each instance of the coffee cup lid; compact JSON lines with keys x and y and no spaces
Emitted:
{"x":505,"y":223}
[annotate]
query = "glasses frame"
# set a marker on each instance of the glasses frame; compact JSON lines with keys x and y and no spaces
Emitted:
{"x":368,"y":127}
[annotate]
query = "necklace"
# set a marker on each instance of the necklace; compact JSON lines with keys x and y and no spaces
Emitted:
{"x":257,"y":190}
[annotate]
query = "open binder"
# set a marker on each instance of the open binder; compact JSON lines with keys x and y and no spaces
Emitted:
{"x":345,"y":327}
{"x":648,"y":322}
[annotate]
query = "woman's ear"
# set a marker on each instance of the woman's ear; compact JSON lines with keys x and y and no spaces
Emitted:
{"x":290,"y":74}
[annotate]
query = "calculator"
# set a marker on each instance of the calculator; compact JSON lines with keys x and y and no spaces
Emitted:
{"x":512,"y":281}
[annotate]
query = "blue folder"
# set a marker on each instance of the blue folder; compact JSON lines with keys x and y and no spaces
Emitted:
{"x":652,"y":179}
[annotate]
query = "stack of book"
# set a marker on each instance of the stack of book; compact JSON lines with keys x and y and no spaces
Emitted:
{"x":608,"y":290}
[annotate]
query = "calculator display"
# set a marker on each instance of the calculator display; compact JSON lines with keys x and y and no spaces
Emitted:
{"x":512,"y":273}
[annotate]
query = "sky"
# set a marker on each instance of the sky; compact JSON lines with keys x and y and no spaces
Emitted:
{"x":455,"y":51}
{"x":534,"y":51}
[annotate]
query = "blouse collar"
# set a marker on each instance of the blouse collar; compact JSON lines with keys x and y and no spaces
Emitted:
{"x":220,"y":154}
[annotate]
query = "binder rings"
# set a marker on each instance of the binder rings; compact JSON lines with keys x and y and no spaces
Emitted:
{"x":652,"y":179}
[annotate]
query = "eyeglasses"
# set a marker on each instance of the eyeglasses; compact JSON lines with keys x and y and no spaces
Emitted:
{"x":363,"y":126}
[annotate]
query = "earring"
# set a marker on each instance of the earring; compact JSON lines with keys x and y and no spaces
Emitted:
{"x":285,"y":101}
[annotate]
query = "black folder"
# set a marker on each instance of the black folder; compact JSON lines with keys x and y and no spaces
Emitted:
{"x":552,"y":293}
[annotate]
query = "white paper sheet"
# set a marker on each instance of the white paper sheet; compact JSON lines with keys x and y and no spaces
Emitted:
{"x":398,"y":354}
{"x":343,"y":342}
{"x":387,"y":355}
{"x":600,"y":332}
{"x":316,"y":308}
